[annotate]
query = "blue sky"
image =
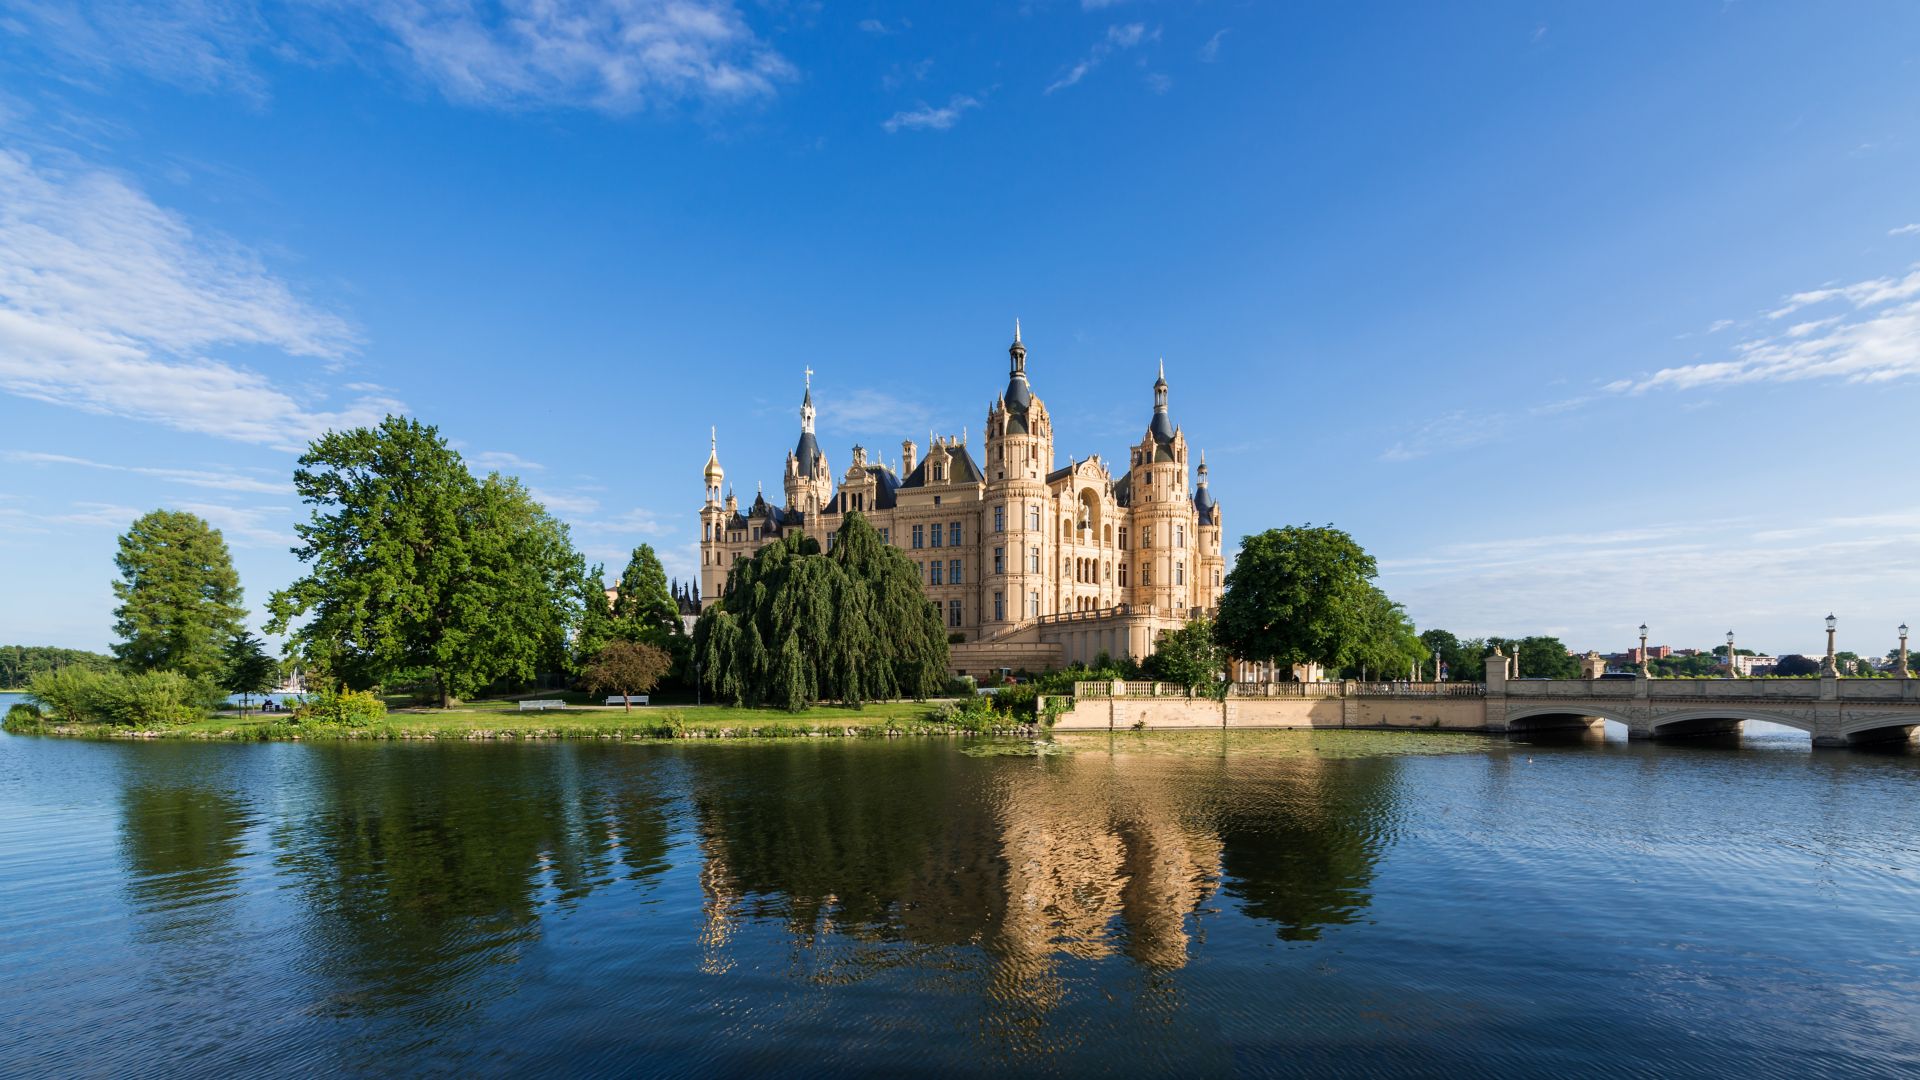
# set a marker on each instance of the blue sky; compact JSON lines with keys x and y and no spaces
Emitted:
{"x":1576,"y":315}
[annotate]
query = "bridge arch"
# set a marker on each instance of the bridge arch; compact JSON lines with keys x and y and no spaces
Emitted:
{"x":1558,"y":717}
{"x":1700,"y":721}
{"x":1886,"y":727}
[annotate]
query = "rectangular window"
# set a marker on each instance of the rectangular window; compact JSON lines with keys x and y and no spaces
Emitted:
{"x":999,"y":519}
{"x":936,"y":534}
{"x":1034,"y":556}
{"x":921,"y":569}
{"x":1035,"y":603}
{"x":1123,"y":538}
{"x":709,"y":531}
{"x":919,"y":536}
{"x":756,"y":532}
{"x":939,"y":472}
{"x":886,"y":536}
{"x":1179,"y":573}
{"x":999,"y":560}
{"x":831,"y":537}
{"x":1146,"y":536}
{"x":999,"y":607}
{"x":1146,"y":573}
{"x":953,"y":572}
{"x":936,"y":568}
{"x":1033,"y":519}
{"x":1179,"y":536}
{"x":953,"y":613}
{"x":1123,"y":575}
{"x":953,"y":534}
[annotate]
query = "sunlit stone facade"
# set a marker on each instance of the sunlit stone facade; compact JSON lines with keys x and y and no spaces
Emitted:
{"x":1033,"y":565}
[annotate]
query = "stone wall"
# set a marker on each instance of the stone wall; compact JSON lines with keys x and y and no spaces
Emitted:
{"x":1151,"y":713}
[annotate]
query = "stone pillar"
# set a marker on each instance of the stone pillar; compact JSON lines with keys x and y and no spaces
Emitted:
{"x":1592,"y":665}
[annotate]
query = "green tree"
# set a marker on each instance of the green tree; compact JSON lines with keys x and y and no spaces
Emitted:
{"x":643,"y":609}
{"x":1794,"y":666}
{"x":796,"y":625}
{"x":1297,"y":595}
{"x":596,"y":616}
{"x":248,"y":670}
{"x":179,"y":595}
{"x":20,"y":663}
{"x":627,"y":668}
{"x":1462,"y":658}
{"x":1384,"y":645}
{"x":1190,"y":656}
{"x":417,"y":567}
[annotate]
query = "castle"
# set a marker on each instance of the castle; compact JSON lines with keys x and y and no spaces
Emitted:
{"x":1032,"y":567}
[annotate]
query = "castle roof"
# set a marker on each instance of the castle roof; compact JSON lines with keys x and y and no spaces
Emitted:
{"x":965,"y":470}
{"x":884,"y":487}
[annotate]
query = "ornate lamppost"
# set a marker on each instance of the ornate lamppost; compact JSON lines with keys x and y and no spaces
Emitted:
{"x":1644,"y":673}
{"x":1900,"y":670}
{"x":1828,"y":667}
{"x":1733,"y":666}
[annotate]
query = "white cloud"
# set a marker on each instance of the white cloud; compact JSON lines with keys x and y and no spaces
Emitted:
{"x":1876,"y":340}
{"x":1676,"y":576}
{"x":1719,"y":325}
{"x":1210,"y":52}
{"x":1096,"y":5}
{"x":636,"y":520}
{"x":868,"y":410}
{"x":108,"y":304}
{"x":1118,"y":37}
{"x":218,"y":480}
{"x":1159,"y":83}
{"x":243,"y":526}
{"x":615,"y":56}
{"x":928,"y":118}
{"x":1453,"y":431}
{"x":565,"y":502}
{"x":506,"y":462}
{"x":1905,"y":230}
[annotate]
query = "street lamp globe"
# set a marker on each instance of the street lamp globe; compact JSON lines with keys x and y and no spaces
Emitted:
{"x":1729,"y":642}
{"x":1832,"y":622}
{"x":1903,"y":631}
{"x":1643,"y":629}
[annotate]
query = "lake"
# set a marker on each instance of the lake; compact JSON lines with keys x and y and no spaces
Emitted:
{"x":1265,"y":903}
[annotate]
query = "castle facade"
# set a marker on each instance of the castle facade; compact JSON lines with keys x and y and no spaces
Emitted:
{"x":1032,"y":566}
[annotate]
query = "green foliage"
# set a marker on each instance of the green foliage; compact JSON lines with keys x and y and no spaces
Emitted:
{"x":1190,"y":656}
{"x":596,"y":616}
{"x":179,"y":596}
{"x":975,"y":714}
{"x":1462,"y":658}
{"x":628,"y":668}
{"x":248,"y":669}
{"x":19,"y":663}
{"x":796,"y":626}
{"x":1384,"y":646}
{"x":1541,"y":657}
{"x":347,"y":708}
{"x":414,"y":565}
{"x":22,"y":718}
{"x":142,"y":699}
{"x":1298,"y":595}
{"x":1796,"y":666}
{"x":643,"y":609}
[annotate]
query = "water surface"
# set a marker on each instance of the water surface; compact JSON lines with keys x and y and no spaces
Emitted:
{"x":1261,"y":903}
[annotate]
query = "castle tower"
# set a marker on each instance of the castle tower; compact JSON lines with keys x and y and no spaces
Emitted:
{"x":809,"y":482}
{"x":1164,"y":527}
{"x":1211,"y":561}
{"x":1020,"y":513}
{"x":714,"y":516}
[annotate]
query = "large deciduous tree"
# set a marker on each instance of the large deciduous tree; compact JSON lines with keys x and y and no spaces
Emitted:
{"x":1297,"y":595}
{"x":1385,"y":645}
{"x":179,"y":596}
{"x":418,"y":568}
{"x":796,"y":625}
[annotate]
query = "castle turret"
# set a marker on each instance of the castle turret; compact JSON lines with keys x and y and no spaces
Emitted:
{"x":716,"y":476}
{"x":1020,"y":511}
{"x":1208,"y":558}
{"x":809,"y":483}
{"x":1163,"y":560}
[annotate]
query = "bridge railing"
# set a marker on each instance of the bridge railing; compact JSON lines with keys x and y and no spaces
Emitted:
{"x":1136,"y":689}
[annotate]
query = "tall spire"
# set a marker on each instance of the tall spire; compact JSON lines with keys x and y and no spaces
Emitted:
{"x":806,"y":406}
{"x":1019,"y":395}
{"x":1162,"y":426}
{"x":1016,"y":329}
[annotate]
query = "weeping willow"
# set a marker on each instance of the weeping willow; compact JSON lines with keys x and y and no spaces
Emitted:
{"x":796,"y":625}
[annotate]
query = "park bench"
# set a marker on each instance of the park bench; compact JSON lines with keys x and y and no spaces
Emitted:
{"x":542,"y":705}
{"x":636,"y":699}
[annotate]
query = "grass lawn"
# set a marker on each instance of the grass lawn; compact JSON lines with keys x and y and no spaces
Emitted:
{"x":505,"y":720}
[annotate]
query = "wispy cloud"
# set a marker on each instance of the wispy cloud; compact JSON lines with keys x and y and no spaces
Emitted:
{"x":615,"y":57}
{"x":869,"y":410}
{"x":929,"y":118}
{"x":1210,"y":52}
{"x":109,"y":304}
{"x":246,"y":526}
{"x":1905,"y":230}
{"x":565,"y":502}
{"x":1874,"y":338}
{"x":1689,"y":580}
{"x":1118,"y":37}
{"x":505,"y":462}
{"x":218,"y":480}
{"x":1456,"y":430}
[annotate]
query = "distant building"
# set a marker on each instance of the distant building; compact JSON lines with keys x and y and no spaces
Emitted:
{"x":1656,"y":652}
{"x":1752,"y":667}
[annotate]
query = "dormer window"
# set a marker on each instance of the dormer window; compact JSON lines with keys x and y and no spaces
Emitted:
{"x":939,"y":472}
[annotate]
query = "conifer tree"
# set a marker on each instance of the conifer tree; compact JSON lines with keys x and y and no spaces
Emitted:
{"x":643,"y":609}
{"x":179,"y":596}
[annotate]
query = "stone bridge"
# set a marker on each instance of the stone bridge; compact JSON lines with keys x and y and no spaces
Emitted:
{"x":1834,"y":711}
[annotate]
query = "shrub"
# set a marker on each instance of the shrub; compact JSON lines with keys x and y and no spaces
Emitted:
{"x":72,"y":694}
{"x":156,"y":699}
{"x":962,"y":686}
{"x":23,"y":717}
{"x":968,"y":714}
{"x":348,"y":708}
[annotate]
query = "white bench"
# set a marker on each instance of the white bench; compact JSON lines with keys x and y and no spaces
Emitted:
{"x":542,"y":705}
{"x":636,"y":699}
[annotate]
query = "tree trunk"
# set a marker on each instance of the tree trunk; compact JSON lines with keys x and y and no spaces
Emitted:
{"x":627,"y":700}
